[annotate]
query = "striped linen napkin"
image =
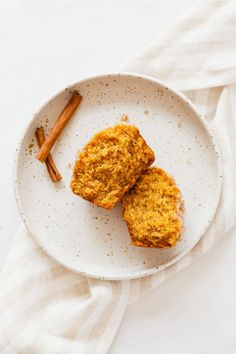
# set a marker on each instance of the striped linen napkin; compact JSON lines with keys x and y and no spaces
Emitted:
{"x":45,"y":308}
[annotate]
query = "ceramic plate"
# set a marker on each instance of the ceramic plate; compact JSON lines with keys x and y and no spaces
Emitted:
{"x":94,"y":241}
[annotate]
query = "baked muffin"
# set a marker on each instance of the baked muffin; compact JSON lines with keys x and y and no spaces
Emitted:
{"x":110,"y":164}
{"x":153,"y":210}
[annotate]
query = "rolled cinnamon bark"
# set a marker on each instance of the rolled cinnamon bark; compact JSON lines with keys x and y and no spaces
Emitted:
{"x":59,"y":125}
{"x":51,"y":167}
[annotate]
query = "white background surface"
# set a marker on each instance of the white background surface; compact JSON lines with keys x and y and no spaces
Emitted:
{"x":44,"y":45}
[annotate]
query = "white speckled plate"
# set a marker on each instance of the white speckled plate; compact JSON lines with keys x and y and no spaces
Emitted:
{"x":94,"y":241}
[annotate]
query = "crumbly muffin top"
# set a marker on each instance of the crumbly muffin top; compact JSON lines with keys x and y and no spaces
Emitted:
{"x":110,"y":164}
{"x":153,"y":210}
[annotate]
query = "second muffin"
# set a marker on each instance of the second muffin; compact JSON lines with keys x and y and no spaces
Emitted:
{"x":153,"y":210}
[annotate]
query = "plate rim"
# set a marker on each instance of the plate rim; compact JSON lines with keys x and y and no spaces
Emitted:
{"x":153,"y":270}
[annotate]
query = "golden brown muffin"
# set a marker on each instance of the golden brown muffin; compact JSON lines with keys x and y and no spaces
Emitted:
{"x":110,"y":164}
{"x":153,"y":210}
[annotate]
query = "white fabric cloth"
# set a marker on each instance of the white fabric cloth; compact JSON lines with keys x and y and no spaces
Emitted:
{"x":45,"y":308}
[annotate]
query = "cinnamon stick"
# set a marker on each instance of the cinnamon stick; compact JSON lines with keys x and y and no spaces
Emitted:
{"x":59,"y":125}
{"x":51,"y":167}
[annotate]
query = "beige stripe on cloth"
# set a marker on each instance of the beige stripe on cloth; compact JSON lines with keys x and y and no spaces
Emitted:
{"x":45,"y":308}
